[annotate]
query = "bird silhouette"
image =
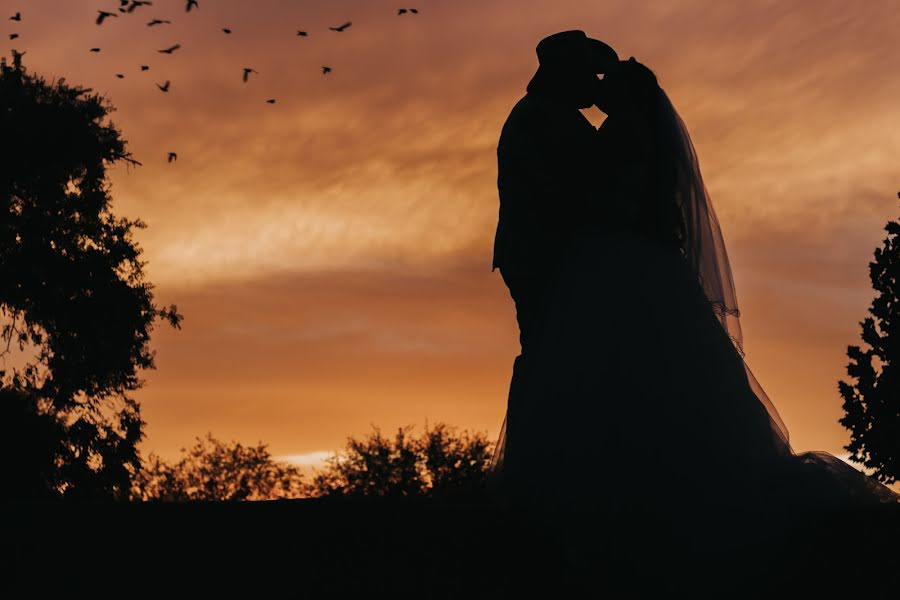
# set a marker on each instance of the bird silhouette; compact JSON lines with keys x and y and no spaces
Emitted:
{"x":302,"y":33}
{"x":171,"y":157}
{"x":102,"y":14}
{"x":120,"y":76}
{"x":226,"y":30}
{"x":135,"y":4}
{"x":144,"y":68}
{"x":247,"y":71}
{"x":326,"y":70}
{"x":341,"y":27}
{"x":164,"y":87}
{"x":95,"y":49}
{"x":16,"y":17}
{"x":402,"y":11}
{"x":270,"y":101}
{"x":17,"y":57}
{"x":13,"y":36}
{"x":191,"y":4}
{"x":170,"y":49}
{"x":158,"y":22}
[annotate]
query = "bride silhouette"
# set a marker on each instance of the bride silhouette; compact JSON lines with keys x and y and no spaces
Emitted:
{"x":631,"y":398}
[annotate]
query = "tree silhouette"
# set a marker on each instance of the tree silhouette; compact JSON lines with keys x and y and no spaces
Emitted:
{"x":872,"y":401}
{"x":215,"y":470}
{"x":440,"y":464}
{"x":75,"y":310}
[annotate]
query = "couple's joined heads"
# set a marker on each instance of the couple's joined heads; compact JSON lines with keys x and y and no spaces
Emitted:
{"x":585,"y":71}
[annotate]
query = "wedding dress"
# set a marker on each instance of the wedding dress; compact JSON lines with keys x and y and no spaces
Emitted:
{"x":639,"y":400}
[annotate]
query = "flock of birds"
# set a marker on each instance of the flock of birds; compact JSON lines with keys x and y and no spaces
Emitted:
{"x":128,"y":7}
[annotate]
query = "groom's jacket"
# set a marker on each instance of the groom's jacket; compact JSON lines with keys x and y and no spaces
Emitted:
{"x":548,"y":170}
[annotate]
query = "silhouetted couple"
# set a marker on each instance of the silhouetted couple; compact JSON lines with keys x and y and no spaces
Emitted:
{"x":631,"y":395}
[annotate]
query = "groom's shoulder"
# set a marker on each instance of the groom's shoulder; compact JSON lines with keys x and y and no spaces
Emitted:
{"x":525,"y":114}
{"x":519,"y":110}
{"x":528,"y":106}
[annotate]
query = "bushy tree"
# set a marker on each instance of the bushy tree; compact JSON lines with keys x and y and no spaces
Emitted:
{"x":872,"y":399}
{"x":75,"y":310}
{"x":215,"y":470}
{"x":440,"y":464}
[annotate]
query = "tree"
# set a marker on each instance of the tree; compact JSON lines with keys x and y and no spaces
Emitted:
{"x":440,"y":464}
{"x":75,"y":310}
{"x":872,"y":401}
{"x":215,"y":470}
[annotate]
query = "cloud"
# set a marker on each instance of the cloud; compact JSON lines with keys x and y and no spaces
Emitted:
{"x":317,"y":458}
{"x":284,"y":230}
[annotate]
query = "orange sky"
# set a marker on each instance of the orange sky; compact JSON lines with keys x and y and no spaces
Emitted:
{"x":331,"y":253}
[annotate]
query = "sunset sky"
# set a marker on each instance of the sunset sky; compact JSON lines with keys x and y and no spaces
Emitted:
{"x":331,"y":252}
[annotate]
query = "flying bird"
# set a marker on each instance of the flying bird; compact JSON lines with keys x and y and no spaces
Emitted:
{"x":172,"y":157}
{"x":95,"y":49}
{"x":16,"y":17}
{"x":158,"y":22}
{"x":341,"y":27}
{"x":13,"y":36}
{"x":326,"y":70}
{"x":402,"y":11}
{"x":102,"y":14}
{"x":270,"y":101}
{"x":17,"y":57}
{"x":170,"y":49}
{"x":120,"y":76}
{"x":164,"y":87}
{"x":144,"y":68}
{"x":135,"y":4}
{"x":191,"y":4}
{"x":303,"y":33}
{"x":247,"y":71}
{"x":226,"y":30}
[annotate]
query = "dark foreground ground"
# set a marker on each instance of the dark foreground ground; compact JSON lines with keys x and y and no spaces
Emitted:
{"x":419,"y":549}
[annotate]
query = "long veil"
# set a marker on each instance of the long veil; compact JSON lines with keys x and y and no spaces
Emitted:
{"x":702,"y":242}
{"x":703,"y":246}
{"x":704,"y":249}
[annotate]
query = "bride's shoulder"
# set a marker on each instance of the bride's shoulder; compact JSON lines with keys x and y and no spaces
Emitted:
{"x":628,"y":133}
{"x":626,"y":124}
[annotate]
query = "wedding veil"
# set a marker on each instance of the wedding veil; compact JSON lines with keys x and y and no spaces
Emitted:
{"x":702,"y":241}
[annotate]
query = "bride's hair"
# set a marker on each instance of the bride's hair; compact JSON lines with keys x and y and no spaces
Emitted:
{"x":683,"y":213}
{"x":639,"y":89}
{"x":639,"y":83}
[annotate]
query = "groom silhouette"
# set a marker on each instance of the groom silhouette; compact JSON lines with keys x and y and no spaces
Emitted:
{"x":548,"y":158}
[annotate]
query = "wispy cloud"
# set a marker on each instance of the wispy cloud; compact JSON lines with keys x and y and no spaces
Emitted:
{"x":282,"y":228}
{"x":310,"y":459}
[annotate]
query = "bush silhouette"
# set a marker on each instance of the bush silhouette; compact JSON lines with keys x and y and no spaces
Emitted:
{"x":215,"y":470}
{"x":442,"y":463}
{"x":872,"y":401}
{"x":75,"y":310}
